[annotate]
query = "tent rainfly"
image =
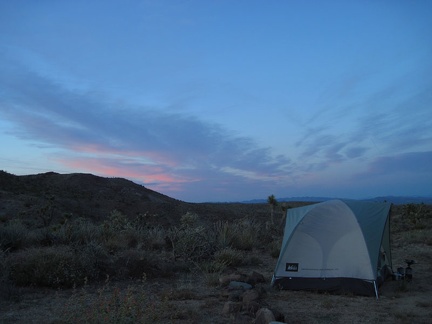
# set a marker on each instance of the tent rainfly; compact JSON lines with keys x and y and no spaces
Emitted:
{"x":336,"y":246}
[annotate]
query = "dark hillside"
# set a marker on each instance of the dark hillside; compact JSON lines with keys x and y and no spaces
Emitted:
{"x":50,"y":197}
{"x":80,"y":195}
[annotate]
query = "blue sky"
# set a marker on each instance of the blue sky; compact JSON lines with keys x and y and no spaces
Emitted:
{"x":221,"y":100}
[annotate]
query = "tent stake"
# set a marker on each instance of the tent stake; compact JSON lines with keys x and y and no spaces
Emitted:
{"x":376,"y":290}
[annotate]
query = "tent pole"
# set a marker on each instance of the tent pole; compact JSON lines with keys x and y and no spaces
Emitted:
{"x":376,"y":290}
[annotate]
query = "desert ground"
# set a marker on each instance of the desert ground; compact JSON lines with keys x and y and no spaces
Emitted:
{"x":79,"y":248}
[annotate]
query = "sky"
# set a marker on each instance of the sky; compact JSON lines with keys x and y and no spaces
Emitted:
{"x":221,"y":100}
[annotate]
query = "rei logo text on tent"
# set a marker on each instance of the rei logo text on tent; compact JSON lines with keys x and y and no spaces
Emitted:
{"x":291,"y":267}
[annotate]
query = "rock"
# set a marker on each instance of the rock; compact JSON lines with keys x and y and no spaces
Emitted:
{"x":264,"y":316}
{"x":234,"y":285}
{"x":250,"y":295}
{"x":231,"y":307}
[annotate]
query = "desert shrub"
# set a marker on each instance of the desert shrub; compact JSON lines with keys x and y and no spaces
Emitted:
{"x":116,"y":221}
{"x":95,"y":259}
{"x":59,"y":266}
{"x":190,"y":241}
{"x":414,"y":216}
{"x":115,"y":243}
{"x":229,"y":257}
{"x":189,"y":219}
{"x":79,"y":231}
{"x":13,"y":235}
{"x":224,"y":234}
{"x":131,"y":236}
{"x":147,"y":238}
{"x":154,"y":238}
{"x":142,"y":221}
{"x":46,"y":267}
{"x":43,"y":237}
{"x":245,"y":234}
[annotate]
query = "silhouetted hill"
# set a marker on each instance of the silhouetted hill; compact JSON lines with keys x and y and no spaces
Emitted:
{"x":79,"y":195}
{"x":89,"y":196}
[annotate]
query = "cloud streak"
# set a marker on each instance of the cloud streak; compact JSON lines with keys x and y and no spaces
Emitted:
{"x":163,"y":150}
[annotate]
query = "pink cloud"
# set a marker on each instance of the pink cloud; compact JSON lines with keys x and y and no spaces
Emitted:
{"x":98,"y":150}
{"x":158,"y":178}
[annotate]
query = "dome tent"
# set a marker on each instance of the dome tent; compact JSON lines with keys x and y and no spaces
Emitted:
{"x":336,"y":245}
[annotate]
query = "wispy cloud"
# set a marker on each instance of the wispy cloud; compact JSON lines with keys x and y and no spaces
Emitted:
{"x":153,"y":146}
{"x":406,"y":163}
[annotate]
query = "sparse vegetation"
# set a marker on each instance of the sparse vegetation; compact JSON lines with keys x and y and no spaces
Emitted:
{"x":145,"y":254}
{"x":113,"y":304}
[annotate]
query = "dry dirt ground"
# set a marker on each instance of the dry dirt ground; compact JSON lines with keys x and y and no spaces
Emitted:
{"x":189,"y":299}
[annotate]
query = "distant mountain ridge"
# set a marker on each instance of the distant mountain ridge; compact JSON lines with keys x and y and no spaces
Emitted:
{"x":397,"y":200}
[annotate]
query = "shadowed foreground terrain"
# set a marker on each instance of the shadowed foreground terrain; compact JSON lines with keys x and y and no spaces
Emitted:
{"x":80,"y":248}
